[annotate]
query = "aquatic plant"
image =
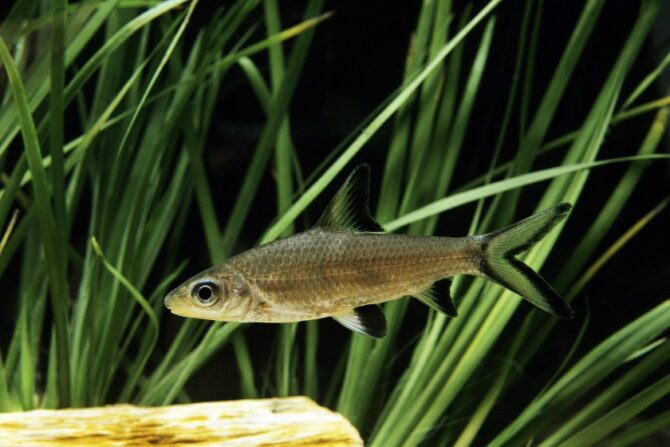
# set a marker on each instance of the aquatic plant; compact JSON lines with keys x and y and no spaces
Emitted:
{"x":91,"y":226}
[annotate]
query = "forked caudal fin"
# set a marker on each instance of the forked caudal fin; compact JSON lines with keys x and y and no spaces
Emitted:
{"x":499,"y":261}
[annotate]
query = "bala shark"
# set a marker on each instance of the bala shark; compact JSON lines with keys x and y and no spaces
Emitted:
{"x":345,"y":266}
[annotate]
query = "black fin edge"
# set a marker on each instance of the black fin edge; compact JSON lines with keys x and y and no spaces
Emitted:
{"x":373,"y":319}
{"x":560,"y":211}
{"x":555,"y":304}
{"x":355,"y":214}
{"x":367,"y":320}
{"x":438,"y":297}
{"x":444,"y":299}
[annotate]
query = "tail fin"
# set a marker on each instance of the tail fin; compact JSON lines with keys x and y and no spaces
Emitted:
{"x":500,"y":264}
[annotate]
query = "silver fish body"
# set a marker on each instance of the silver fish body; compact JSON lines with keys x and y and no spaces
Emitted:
{"x":319,"y":272}
{"x":345,"y":266}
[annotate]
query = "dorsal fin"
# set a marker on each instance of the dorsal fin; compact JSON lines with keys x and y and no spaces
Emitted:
{"x":349,"y":208}
{"x":438,"y":297}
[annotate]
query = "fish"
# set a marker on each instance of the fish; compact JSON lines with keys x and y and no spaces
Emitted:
{"x":346,"y":265}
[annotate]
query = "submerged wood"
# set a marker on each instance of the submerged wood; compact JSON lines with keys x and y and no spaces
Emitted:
{"x":290,"y":421}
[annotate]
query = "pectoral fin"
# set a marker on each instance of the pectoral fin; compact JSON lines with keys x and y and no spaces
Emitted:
{"x":438,"y":297}
{"x":367,"y":320}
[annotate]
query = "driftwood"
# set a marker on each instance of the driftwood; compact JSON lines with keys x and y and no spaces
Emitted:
{"x":293,"y":421}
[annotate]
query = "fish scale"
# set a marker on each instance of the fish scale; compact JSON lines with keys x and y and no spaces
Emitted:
{"x":314,"y":269}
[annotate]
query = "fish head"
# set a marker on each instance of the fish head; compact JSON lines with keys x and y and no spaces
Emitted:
{"x":216,"y":294}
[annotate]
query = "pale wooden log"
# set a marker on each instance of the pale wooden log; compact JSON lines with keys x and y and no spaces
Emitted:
{"x":292,"y":421}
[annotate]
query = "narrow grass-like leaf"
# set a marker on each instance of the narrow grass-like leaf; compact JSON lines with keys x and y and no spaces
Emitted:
{"x":27,"y":362}
{"x":638,"y":432}
{"x":529,"y":67}
{"x":475,"y":423}
{"x":164,"y":390}
{"x":585,"y":148}
{"x":45,"y":217}
{"x":166,"y":56}
{"x":11,"y":191}
{"x":367,"y":133}
{"x":394,"y":169}
{"x":554,"y":92}
{"x":427,"y":99}
{"x":257,"y":82}
{"x":462,"y":119}
{"x":643,"y":108}
{"x":296,"y":30}
{"x":111,"y":44}
{"x":607,"y":398}
{"x":284,"y":180}
{"x":248,"y":387}
{"x":498,"y":187}
{"x":621,"y":414}
{"x":567,"y":138}
{"x":613,"y":249}
{"x":57,"y":110}
{"x":646,"y":82}
{"x":589,"y":370}
{"x":205,"y":200}
{"x":146,"y":307}
{"x":625,"y":188}
{"x":454,"y":142}
{"x":82,"y":26}
{"x":8,"y":231}
{"x":311,"y":380}
{"x":276,"y":114}
{"x":5,"y":400}
{"x":14,"y":242}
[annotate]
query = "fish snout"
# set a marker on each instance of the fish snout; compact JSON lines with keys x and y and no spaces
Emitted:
{"x":169,"y":299}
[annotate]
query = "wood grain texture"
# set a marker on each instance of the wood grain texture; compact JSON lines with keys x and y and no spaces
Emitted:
{"x":292,"y":421}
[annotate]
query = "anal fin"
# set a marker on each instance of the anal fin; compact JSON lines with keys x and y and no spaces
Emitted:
{"x":367,"y":320}
{"x":438,"y":297}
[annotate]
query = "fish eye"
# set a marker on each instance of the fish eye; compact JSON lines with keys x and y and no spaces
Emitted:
{"x":205,"y":293}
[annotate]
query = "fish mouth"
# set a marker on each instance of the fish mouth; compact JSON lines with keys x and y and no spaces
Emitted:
{"x":169,"y":300}
{"x":192,"y":313}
